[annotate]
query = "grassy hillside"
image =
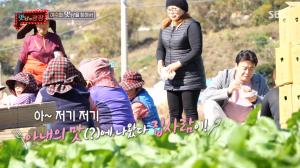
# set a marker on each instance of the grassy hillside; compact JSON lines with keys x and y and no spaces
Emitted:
{"x":101,"y":38}
{"x":219,"y":50}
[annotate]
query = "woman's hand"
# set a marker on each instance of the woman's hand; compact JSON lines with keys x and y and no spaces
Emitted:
{"x":174,"y":66}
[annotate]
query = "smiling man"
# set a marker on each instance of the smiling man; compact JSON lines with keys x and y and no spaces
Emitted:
{"x":234,"y":92}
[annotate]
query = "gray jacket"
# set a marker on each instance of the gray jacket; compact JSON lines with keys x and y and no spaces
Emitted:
{"x":218,"y":89}
{"x":185,"y":45}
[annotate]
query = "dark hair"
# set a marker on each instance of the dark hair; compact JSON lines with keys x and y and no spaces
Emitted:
{"x":246,"y":55}
{"x":57,"y":49}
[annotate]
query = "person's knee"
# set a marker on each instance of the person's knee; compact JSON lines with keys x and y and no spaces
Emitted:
{"x":210,"y":110}
{"x":211,"y":106}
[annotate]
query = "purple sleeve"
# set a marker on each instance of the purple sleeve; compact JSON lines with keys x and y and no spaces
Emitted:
{"x":39,"y":98}
{"x":25,"y":99}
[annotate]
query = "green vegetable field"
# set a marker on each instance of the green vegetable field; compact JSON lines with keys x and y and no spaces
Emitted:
{"x":257,"y":143}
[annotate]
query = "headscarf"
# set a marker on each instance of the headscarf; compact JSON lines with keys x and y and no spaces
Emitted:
{"x":99,"y":73}
{"x":61,"y":76}
{"x":132,"y":80}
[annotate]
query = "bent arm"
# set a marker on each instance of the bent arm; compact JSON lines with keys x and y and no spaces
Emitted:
{"x":216,"y":91}
{"x":195,"y":41}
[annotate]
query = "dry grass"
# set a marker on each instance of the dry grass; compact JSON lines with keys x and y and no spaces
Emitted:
{"x":148,"y":69}
{"x":219,"y":50}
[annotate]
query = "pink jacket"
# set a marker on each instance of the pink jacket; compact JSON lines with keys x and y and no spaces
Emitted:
{"x":41,"y":48}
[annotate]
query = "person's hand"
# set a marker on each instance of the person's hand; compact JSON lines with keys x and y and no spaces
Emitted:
{"x":173,"y":67}
{"x":252,"y":94}
{"x":246,"y":89}
{"x":160,"y":65}
{"x":89,"y":84}
{"x":234,"y":85}
{"x":252,"y":99}
{"x":58,"y":54}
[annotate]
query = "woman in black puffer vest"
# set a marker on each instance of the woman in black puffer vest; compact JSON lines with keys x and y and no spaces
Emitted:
{"x":179,"y":50}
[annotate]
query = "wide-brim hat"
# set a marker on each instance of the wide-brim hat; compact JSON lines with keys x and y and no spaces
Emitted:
{"x":132,"y":80}
{"x":27,"y":28}
{"x":23,"y":77}
{"x":61,"y":76}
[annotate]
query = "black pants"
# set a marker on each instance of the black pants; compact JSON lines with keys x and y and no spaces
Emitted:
{"x":183,"y":100}
{"x":270,"y":106}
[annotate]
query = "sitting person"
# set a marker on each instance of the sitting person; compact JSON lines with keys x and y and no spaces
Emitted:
{"x":142,"y":103}
{"x":23,"y":87}
{"x":270,"y":103}
{"x":234,"y":92}
{"x":64,"y":84}
{"x":110,"y":99}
